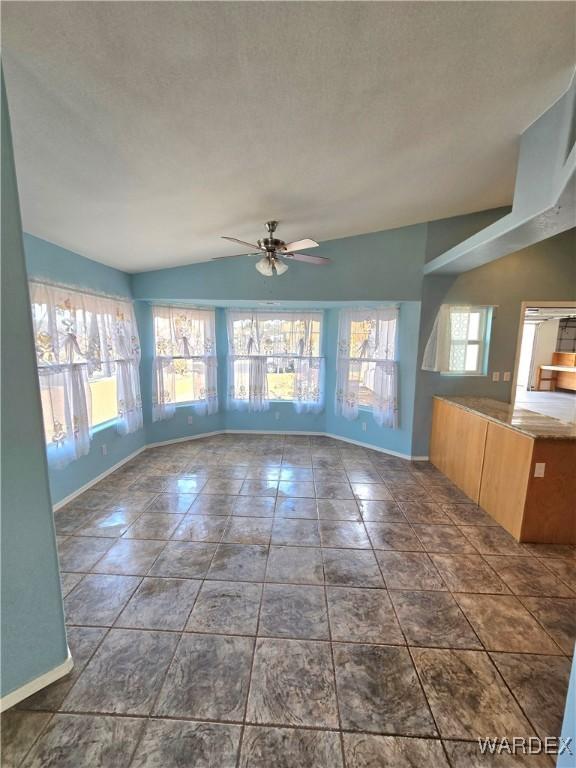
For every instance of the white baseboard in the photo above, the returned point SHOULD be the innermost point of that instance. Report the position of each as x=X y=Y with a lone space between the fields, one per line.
x=287 y=433
x=377 y=448
x=188 y=438
x=101 y=476
x=184 y=439
x=33 y=686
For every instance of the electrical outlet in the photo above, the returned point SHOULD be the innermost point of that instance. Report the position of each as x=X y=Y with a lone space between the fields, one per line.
x=277 y=415
x=507 y=376
x=495 y=375
x=190 y=419
x=539 y=469
x=104 y=449
x=363 y=426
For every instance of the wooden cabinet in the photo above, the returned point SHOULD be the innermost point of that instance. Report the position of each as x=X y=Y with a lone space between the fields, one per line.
x=505 y=473
x=457 y=446
x=495 y=466
x=550 y=512
x=565 y=379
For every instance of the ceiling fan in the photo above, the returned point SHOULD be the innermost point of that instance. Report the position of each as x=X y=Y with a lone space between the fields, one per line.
x=275 y=250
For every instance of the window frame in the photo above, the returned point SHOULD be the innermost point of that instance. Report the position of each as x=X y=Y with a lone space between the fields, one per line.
x=482 y=342
x=190 y=403
x=277 y=314
x=345 y=361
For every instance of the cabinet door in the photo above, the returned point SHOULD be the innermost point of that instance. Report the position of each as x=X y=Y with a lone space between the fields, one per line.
x=457 y=446
x=507 y=461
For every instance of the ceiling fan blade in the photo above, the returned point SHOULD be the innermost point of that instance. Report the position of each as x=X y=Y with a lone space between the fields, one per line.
x=297 y=244
x=320 y=260
x=251 y=246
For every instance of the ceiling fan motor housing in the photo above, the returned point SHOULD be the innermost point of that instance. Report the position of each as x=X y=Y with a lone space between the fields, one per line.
x=271 y=244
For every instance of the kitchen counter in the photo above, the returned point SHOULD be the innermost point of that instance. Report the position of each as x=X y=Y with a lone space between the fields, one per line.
x=516 y=464
x=529 y=423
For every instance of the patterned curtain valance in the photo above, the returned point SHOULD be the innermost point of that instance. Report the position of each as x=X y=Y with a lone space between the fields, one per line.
x=72 y=327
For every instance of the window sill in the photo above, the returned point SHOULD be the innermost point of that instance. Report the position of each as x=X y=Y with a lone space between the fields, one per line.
x=467 y=375
x=189 y=404
x=104 y=425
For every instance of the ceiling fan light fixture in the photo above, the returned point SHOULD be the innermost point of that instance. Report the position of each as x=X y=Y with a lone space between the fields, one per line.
x=280 y=267
x=264 y=267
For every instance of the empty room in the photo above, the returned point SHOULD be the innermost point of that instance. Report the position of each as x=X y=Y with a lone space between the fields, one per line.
x=288 y=410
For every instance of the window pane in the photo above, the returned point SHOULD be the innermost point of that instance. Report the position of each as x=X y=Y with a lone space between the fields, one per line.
x=283 y=335
x=474 y=326
x=189 y=380
x=457 y=356
x=162 y=334
x=472 y=352
x=281 y=378
x=104 y=399
x=361 y=337
x=459 y=325
x=363 y=374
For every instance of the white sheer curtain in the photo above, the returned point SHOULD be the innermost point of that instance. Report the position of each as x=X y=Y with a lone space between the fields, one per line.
x=457 y=343
x=80 y=337
x=367 y=365
x=437 y=351
x=308 y=384
x=185 y=363
x=275 y=356
x=247 y=368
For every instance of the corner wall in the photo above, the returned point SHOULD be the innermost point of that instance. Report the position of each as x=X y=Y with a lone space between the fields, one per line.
x=33 y=634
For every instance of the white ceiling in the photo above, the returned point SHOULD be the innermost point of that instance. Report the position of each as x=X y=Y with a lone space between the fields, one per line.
x=144 y=131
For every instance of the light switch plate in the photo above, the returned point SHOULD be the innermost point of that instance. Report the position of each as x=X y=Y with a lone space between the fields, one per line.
x=539 y=469
x=507 y=376
x=495 y=375
x=190 y=419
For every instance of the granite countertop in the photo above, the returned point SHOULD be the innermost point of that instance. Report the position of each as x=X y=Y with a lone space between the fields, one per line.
x=527 y=422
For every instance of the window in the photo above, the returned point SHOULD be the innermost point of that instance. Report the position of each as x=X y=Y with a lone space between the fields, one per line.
x=88 y=353
x=275 y=356
x=185 y=364
x=367 y=364
x=458 y=344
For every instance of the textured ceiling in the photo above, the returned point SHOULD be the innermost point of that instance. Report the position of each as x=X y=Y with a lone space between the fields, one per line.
x=145 y=130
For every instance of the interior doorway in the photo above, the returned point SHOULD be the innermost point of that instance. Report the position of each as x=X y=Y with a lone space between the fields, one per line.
x=545 y=375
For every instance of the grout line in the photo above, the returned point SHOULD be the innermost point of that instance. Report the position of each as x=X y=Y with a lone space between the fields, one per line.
x=287 y=451
x=254 y=647
x=336 y=696
x=41 y=731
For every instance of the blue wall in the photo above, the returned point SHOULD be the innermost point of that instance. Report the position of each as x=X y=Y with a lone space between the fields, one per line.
x=382 y=266
x=374 y=268
x=50 y=262
x=33 y=635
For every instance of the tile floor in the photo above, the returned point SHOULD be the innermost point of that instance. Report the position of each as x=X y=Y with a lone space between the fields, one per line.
x=295 y=602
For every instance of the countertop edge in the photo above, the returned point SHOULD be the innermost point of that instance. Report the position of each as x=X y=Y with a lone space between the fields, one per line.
x=521 y=430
